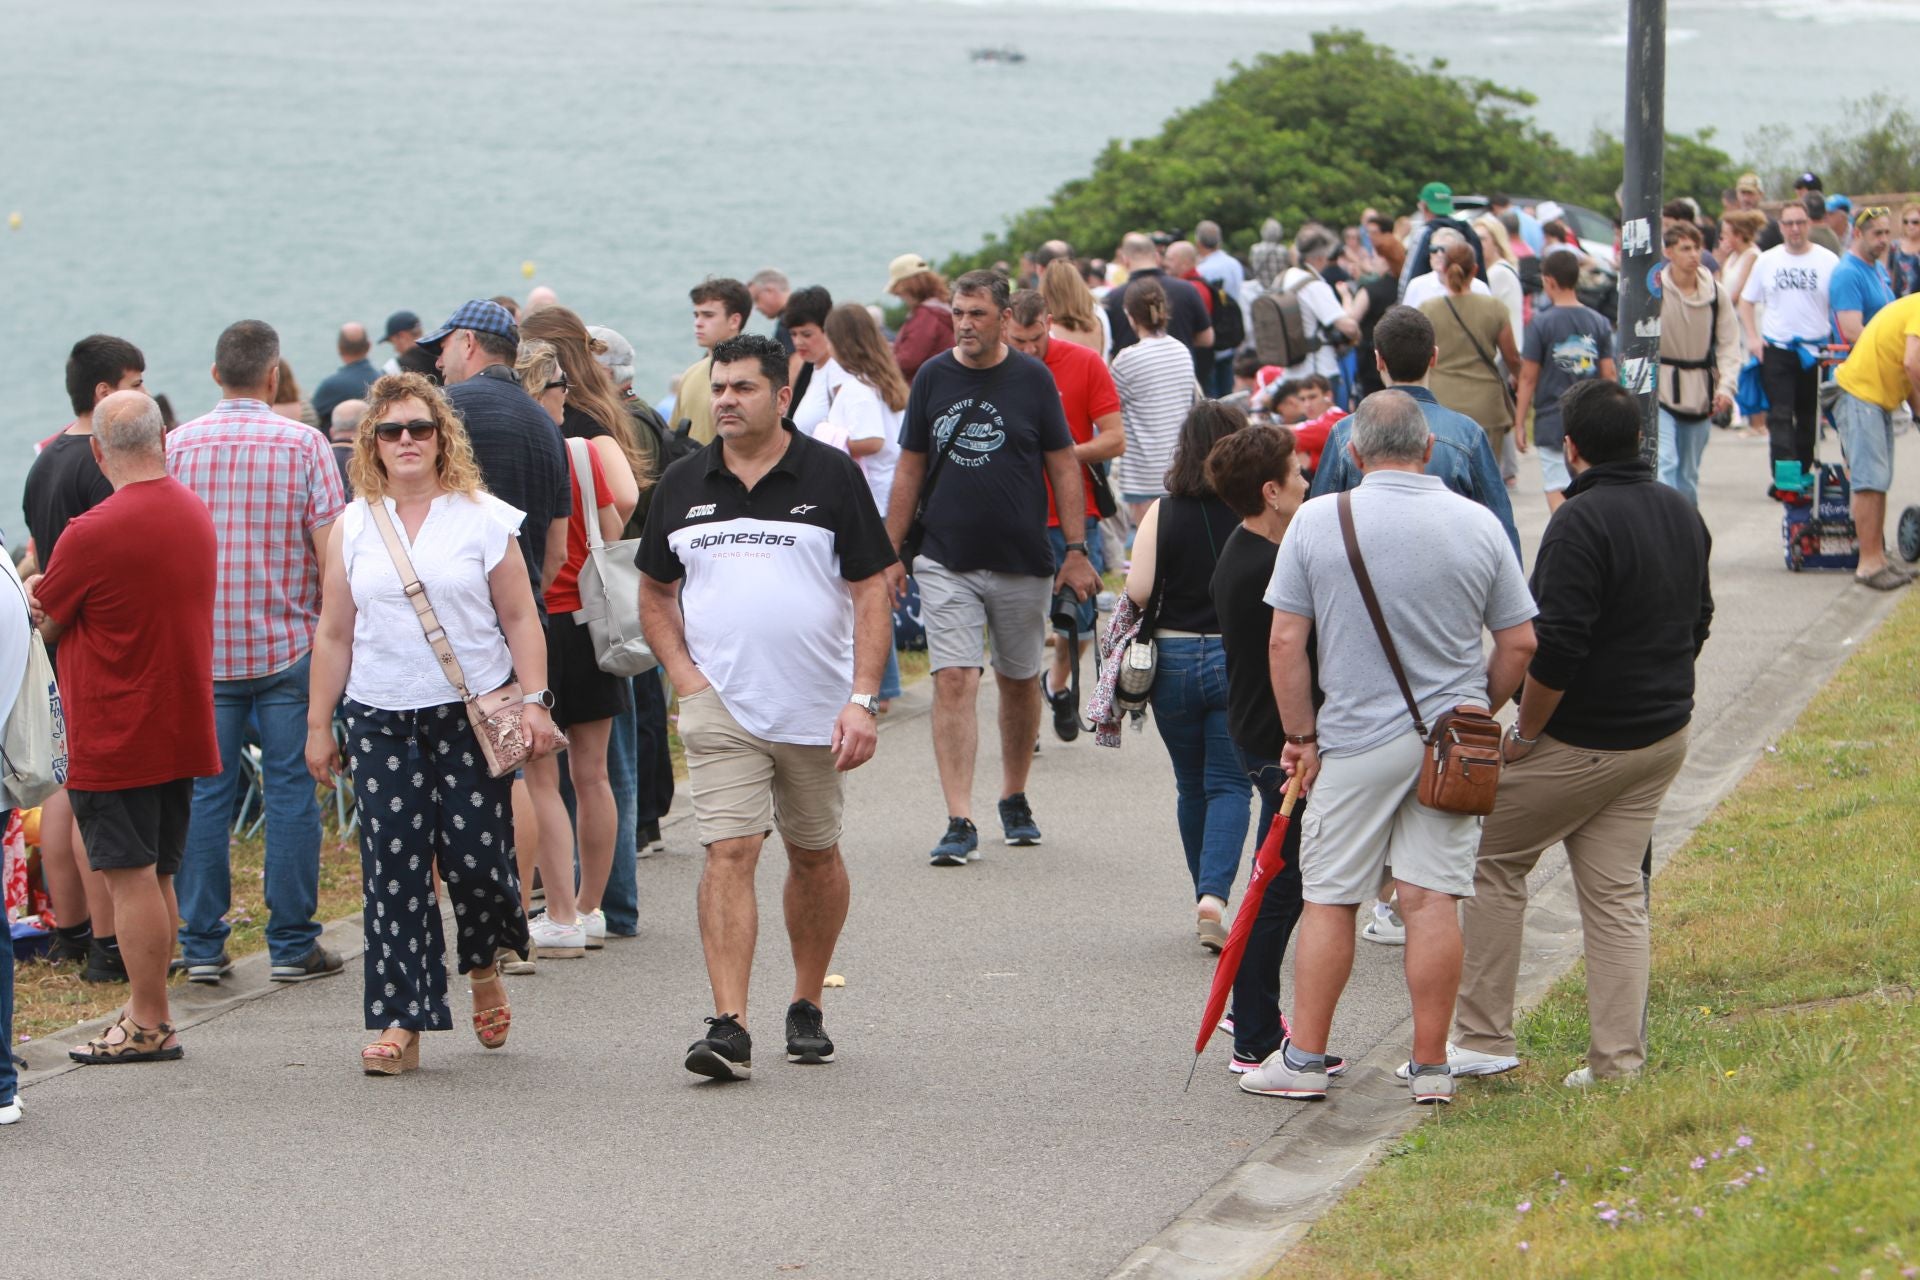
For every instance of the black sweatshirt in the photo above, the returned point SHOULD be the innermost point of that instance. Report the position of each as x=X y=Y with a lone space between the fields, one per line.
x=1625 y=605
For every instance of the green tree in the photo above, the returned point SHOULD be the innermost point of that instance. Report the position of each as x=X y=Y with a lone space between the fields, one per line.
x=1324 y=134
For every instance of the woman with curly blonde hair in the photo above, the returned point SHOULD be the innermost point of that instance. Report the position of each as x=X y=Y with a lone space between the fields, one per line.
x=420 y=780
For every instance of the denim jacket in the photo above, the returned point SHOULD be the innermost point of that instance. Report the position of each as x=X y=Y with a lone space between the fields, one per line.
x=1462 y=459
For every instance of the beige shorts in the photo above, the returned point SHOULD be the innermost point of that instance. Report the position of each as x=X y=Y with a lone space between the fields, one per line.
x=743 y=785
x=1364 y=813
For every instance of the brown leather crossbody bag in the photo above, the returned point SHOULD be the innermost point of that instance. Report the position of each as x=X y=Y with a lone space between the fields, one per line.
x=1460 y=768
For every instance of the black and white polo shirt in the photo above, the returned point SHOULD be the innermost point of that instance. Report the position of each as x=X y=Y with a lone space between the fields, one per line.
x=768 y=612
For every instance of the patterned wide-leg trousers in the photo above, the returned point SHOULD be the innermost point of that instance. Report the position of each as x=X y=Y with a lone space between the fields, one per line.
x=424 y=796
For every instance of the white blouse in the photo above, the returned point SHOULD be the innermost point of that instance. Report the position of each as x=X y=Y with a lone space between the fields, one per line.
x=460 y=543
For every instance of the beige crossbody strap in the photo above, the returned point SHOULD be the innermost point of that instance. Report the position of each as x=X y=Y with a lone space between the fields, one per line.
x=589 y=497
x=417 y=596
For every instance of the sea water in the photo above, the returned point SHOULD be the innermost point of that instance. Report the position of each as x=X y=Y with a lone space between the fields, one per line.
x=180 y=164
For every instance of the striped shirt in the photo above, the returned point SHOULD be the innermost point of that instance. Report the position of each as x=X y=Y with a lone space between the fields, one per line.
x=1155 y=379
x=270 y=484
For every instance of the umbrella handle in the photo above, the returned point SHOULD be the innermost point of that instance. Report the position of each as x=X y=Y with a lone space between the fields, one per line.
x=1291 y=797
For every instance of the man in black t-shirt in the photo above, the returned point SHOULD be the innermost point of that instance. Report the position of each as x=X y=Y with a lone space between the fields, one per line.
x=518 y=448
x=765 y=597
x=985 y=431
x=1187 y=317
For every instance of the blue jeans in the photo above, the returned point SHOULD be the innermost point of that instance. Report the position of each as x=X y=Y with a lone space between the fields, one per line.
x=9 y=1074
x=1190 y=707
x=890 y=678
x=621 y=901
x=278 y=705
x=1222 y=375
x=1256 y=988
x=1682 y=441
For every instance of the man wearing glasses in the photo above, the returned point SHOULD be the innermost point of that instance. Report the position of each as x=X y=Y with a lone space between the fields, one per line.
x=1860 y=284
x=514 y=441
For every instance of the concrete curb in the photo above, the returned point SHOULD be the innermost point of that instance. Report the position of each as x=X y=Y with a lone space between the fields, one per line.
x=1249 y=1220
x=192 y=1005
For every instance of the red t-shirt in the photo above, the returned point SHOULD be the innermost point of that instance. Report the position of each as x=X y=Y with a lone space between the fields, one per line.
x=134 y=590
x=563 y=593
x=1086 y=392
x=1204 y=285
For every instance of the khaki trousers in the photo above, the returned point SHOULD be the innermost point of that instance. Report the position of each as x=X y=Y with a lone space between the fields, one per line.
x=1602 y=804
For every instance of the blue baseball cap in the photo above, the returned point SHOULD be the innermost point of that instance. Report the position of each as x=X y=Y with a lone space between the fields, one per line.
x=1839 y=202
x=482 y=316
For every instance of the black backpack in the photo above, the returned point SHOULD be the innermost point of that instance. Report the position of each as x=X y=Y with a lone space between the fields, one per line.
x=669 y=446
x=1229 y=326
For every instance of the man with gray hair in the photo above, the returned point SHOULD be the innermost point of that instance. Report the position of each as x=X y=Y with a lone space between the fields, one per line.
x=769 y=288
x=342 y=424
x=131 y=600
x=274 y=490
x=1443 y=574
x=1221 y=269
x=1431 y=283
x=1322 y=314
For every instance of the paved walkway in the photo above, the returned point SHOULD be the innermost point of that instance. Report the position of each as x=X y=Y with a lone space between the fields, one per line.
x=1013 y=1037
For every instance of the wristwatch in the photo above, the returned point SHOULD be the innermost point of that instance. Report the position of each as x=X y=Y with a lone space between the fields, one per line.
x=867 y=702
x=1081 y=547
x=1513 y=731
x=543 y=697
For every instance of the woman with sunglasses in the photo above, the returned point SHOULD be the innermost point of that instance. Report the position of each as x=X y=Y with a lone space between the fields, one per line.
x=1903 y=263
x=420 y=781
x=557 y=360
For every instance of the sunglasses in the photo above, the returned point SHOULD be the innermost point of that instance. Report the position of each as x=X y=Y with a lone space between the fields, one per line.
x=560 y=384
x=1871 y=212
x=418 y=429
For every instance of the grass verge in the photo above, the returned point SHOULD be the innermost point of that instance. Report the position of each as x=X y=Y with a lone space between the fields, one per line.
x=52 y=997
x=1772 y=1132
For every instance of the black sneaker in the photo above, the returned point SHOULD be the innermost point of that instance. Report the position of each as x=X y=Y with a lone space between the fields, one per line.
x=317 y=963
x=1016 y=820
x=67 y=947
x=1066 y=713
x=959 y=846
x=725 y=1054
x=807 y=1040
x=103 y=963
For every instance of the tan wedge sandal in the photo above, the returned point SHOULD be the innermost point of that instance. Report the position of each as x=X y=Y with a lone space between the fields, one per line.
x=491 y=1025
x=385 y=1058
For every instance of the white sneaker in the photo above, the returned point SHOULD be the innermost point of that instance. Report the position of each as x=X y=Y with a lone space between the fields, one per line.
x=557 y=941
x=595 y=923
x=1385 y=927
x=10 y=1114
x=1470 y=1062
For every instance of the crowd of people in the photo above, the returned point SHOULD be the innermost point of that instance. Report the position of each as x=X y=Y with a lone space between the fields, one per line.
x=1302 y=462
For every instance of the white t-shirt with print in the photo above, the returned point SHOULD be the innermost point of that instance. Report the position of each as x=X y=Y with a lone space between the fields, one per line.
x=1794 y=288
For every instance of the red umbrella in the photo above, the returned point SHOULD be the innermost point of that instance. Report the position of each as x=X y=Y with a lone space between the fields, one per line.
x=1267 y=863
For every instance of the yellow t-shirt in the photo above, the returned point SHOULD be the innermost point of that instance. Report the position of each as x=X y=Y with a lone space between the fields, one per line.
x=695 y=401
x=1877 y=369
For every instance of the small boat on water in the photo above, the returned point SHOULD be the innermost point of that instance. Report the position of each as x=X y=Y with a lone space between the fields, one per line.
x=1005 y=53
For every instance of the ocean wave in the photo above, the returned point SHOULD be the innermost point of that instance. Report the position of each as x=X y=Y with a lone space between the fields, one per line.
x=1697 y=12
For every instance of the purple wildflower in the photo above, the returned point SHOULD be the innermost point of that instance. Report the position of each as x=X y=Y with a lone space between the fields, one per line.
x=1698 y=1162
x=1743 y=1141
x=1523 y=1206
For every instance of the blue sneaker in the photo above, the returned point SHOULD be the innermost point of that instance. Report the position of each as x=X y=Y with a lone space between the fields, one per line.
x=1016 y=820
x=959 y=846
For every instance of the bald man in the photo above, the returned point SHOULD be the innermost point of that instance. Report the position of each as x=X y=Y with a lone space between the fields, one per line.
x=1187 y=318
x=355 y=374
x=539 y=296
x=341 y=426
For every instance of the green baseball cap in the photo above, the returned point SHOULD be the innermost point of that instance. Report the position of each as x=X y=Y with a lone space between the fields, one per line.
x=1438 y=197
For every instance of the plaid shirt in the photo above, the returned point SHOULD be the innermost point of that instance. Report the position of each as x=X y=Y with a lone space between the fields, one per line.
x=270 y=482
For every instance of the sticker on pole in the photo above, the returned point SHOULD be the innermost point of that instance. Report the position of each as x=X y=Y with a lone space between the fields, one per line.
x=1653 y=280
x=1636 y=238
